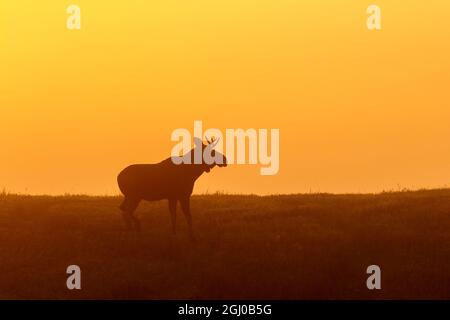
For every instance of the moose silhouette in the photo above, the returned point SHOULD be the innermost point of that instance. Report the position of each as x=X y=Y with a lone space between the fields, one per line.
x=165 y=180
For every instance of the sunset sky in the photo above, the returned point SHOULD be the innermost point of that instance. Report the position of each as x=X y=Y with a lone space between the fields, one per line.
x=358 y=110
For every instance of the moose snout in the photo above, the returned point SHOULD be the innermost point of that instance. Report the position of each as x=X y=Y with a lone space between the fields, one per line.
x=224 y=162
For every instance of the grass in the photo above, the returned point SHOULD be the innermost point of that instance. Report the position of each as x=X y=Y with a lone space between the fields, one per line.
x=314 y=246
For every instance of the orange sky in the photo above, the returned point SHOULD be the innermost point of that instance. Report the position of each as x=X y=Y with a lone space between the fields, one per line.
x=358 y=110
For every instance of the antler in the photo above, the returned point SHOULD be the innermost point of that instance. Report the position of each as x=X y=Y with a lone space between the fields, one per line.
x=213 y=142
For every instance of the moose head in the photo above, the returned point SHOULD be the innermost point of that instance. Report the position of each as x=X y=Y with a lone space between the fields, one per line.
x=211 y=157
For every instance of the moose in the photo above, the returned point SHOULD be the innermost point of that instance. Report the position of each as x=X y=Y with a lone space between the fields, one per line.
x=165 y=180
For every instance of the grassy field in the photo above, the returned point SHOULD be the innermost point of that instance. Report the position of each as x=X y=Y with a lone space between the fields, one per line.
x=314 y=246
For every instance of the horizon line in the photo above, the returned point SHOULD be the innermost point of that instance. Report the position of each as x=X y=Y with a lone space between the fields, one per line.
x=5 y=193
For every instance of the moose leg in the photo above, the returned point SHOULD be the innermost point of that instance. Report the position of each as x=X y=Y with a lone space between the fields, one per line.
x=185 y=205
x=128 y=207
x=173 y=213
x=137 y=222
x=125 y=213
